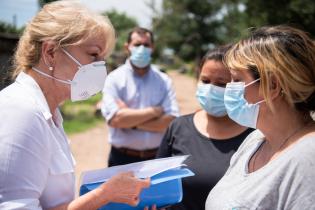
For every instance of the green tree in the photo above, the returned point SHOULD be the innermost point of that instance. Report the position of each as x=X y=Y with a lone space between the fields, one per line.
x=234 y=22
x=41 y=3
x=190 y=27
x=300 y=13
x=9 y=28
x=187 y=26
x=122 y=24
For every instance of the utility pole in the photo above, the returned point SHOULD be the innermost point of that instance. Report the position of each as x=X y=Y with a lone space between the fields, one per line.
x=14 y=21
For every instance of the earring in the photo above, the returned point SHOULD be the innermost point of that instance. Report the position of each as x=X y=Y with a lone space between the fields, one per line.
x=51 y=68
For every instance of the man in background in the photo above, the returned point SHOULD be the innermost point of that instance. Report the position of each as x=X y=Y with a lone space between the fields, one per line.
x=138 y=103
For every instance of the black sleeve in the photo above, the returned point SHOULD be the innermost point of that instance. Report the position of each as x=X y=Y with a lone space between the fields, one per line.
x=165 y=149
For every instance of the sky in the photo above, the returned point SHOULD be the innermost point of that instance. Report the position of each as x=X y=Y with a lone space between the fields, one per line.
x=21 y=11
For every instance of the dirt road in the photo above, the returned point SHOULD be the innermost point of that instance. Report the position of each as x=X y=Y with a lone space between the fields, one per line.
x=91 y=149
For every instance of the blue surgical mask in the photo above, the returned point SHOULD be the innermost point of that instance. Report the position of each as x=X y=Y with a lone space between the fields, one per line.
x=211 y=99
x=237 y=107
x=140 y=56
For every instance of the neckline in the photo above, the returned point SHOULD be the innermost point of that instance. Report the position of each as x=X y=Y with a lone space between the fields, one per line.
x=281 y=156
x=134 y=73
x=205 y=138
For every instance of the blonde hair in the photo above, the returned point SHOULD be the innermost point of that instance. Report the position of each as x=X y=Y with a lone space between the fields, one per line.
x=284 y=52
x=65 y=23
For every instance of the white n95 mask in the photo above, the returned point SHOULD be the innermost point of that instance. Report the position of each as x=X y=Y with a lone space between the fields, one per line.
x=87 y=81
x=237 y=107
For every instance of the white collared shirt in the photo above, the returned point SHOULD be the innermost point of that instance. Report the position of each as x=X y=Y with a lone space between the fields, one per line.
x=36 y=165
x=152 y=89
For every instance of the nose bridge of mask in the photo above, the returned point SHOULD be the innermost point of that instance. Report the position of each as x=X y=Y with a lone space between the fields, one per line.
x=72 y=58
x=134 y=48
x=140 y=48
x=211 y=99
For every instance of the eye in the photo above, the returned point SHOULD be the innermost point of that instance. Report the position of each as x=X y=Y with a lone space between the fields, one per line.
x=205 y=81
x=237 y=79
x=137 y=44
x=146 y=45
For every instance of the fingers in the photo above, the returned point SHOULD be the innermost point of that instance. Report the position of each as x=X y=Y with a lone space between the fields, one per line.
x=146 y=183
x=121 y=104
x=126 y=188
x=135 y=201
x=130 y=200
x=129 y=173
x=152 y=208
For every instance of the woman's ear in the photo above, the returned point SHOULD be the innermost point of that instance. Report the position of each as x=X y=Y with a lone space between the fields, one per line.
x=48 y=53
x=275 y=89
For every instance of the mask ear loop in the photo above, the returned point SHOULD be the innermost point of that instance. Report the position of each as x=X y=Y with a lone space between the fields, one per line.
x=252 y=82
x=70 y=56
x=47 y=75
x=259 y=102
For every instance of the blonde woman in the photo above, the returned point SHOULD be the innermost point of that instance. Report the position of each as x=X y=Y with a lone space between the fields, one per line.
x=60 y=56
x=272 y=89
x=208 y=135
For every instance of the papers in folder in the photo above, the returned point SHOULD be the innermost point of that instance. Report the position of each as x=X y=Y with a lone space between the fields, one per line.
x=143 y=169
x=165 y=174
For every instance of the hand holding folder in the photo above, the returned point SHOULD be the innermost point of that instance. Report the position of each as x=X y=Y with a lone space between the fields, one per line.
x=125 y=188
x=165 y=174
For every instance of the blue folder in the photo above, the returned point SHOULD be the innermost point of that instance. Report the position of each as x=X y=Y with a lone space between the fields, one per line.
x=165 y=190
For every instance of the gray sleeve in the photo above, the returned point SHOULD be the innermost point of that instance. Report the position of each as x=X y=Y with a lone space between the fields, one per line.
x=301 y=186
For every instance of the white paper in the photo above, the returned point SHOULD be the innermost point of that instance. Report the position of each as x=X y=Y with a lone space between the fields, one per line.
x=143 y=169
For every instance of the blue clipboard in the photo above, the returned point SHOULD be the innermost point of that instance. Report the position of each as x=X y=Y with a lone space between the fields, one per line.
x=165 y=190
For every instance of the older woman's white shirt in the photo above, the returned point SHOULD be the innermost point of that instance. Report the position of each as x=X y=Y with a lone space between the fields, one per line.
x=36 y=165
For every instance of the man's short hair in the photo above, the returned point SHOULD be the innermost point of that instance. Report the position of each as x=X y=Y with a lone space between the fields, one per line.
x=141 y=31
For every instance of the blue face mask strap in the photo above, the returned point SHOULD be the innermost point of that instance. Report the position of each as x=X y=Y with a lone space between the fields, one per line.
x=259 y=102
x=70 y=56
x=252 y=82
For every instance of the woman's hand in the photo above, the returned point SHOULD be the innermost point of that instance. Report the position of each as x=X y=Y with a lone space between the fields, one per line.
x=152 y=208
x=124 y=188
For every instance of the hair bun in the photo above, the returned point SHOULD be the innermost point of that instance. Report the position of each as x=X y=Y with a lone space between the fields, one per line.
x=308 y=104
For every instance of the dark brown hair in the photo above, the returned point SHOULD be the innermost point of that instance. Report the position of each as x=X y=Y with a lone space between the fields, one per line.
x=141 y=31
x=216 y=54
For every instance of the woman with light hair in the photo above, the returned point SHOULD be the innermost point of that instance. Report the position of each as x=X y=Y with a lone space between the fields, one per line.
x=60 y=56
x=273 y=90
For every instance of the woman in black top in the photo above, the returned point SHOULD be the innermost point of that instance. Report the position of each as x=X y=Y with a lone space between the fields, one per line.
x=209 y=136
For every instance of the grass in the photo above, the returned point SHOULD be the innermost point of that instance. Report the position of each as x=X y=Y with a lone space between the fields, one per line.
x=81 y=116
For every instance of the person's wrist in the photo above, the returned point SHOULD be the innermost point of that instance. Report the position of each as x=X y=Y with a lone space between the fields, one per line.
x=102 y=196
x=158 y=111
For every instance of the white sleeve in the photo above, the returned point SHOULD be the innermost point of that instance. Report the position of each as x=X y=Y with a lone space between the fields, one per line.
x=169 y=103
x=110 y=95
x=27 y=204
x=24 y=160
